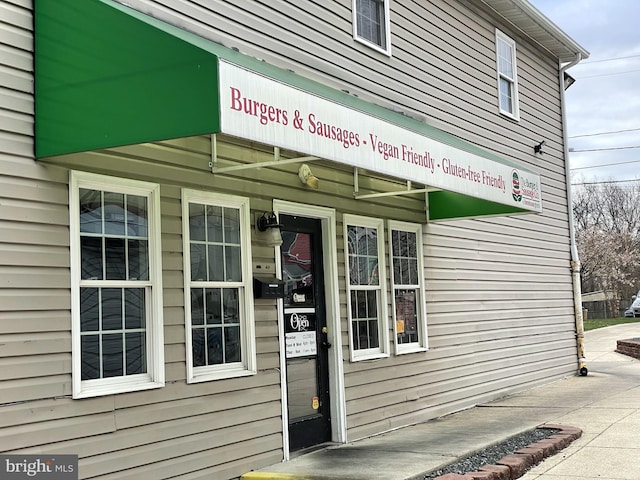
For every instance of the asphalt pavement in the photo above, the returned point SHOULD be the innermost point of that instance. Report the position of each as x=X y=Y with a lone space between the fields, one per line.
x=605 y=405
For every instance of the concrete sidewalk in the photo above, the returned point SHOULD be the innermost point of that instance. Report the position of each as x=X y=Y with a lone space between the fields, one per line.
x=605 y=405
x=607 y=411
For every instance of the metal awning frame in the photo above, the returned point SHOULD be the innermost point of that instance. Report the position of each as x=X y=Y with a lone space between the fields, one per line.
x=278 y=160
x=409 y=190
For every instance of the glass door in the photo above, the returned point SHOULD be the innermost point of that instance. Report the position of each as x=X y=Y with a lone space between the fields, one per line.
x=305 y=332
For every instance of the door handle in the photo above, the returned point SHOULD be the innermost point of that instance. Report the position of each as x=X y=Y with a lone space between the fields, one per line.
x=325 y=344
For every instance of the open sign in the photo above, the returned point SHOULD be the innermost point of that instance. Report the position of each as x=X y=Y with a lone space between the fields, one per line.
x=300 y=334
x=300 y=322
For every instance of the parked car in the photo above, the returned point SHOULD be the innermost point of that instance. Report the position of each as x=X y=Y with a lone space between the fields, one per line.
x=634 y=308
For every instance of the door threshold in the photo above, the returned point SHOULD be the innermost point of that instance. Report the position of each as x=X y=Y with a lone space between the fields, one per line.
x=311 y=449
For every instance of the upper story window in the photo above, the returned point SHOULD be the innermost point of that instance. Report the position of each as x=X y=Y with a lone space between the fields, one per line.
x=371 y=24
x=217 y=269
x=507 y=75
x=366 y=287
x=116 y=287
x=407 y=281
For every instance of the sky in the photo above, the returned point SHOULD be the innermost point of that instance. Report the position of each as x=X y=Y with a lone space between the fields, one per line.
x=606 y=95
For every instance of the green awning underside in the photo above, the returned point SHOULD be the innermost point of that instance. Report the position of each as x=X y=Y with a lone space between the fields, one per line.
x=107 y=76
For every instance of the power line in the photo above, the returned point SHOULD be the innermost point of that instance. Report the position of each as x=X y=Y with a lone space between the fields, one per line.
x=605 y=133
x=606 y=74
x=609 y=59
x=606 y=181
x=605 y=165
x=603 y=149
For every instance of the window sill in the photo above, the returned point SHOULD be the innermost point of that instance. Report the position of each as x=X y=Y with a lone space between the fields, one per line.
x=411 y=349
x=368 y=356
x=95 y=388
x=510 y=116
x=219 y=375
x=374 y=46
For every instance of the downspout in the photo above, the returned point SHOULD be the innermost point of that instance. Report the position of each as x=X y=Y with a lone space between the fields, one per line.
x=575 y=260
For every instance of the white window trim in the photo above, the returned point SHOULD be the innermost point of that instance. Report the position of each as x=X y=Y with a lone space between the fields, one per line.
x=387 y=29
x=501 y=37
x=423 y=344
x=154 y=378
x=248 y=364
x=383 y=328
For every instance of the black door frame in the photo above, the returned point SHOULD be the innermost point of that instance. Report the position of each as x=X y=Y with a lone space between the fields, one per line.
x=312 y=428
x=328 y=219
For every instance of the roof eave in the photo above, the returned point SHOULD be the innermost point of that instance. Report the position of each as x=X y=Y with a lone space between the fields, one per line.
x=534 y=24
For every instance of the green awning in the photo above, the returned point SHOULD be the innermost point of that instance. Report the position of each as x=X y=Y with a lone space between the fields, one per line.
x=108 y=76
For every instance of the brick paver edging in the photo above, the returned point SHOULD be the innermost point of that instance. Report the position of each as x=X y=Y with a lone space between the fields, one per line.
x=515 y=465
x=629 y=347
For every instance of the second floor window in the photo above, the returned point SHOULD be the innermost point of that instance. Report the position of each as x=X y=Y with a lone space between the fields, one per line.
x=371 y=23
x=507 y=75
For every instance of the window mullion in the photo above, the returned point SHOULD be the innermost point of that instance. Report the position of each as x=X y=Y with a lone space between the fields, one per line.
x=125 y=239
x=123 y=332
x=100 y=350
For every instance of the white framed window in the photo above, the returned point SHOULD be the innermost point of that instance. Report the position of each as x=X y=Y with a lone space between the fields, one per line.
x=366 y=287
x=507 y=75
x=407 y=281
x=371 y=24
x=116 y=285
x=220 y=333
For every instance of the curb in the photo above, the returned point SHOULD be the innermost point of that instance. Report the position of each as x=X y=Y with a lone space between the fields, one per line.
x=515 y=465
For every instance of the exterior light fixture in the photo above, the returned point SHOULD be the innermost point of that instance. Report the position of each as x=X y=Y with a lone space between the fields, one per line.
x=268 y=223
x=538 y=148
x=568 y=80
x=306 y=177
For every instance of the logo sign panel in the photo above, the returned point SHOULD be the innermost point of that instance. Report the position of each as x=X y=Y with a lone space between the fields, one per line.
x=300 y=334
x=262 y=109
x=49 y=467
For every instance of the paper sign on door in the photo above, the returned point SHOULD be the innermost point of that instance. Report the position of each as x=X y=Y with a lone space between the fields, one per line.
x=300 y=334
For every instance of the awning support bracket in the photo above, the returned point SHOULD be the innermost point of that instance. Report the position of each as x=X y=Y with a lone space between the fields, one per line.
x=214 y=152
x=408 y=191
x=277 y=160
